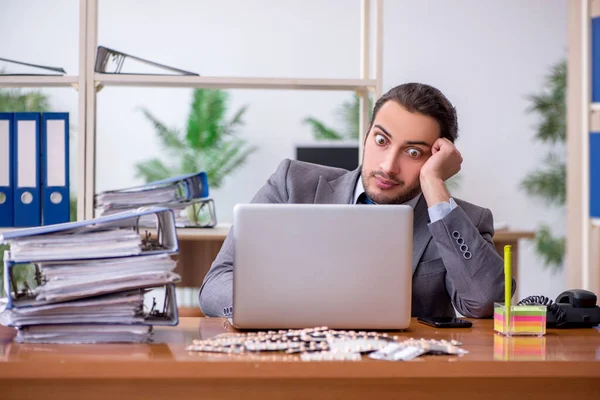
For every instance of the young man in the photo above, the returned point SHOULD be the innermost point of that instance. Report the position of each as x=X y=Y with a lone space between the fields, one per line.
x=408 y=154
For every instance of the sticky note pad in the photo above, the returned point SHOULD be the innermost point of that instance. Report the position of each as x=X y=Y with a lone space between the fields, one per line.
x=523 y=320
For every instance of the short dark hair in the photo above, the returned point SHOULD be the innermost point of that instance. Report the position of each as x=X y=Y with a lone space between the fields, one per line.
x=426 y=100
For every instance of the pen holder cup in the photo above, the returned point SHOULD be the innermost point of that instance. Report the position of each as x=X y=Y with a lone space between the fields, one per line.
x=526 y=320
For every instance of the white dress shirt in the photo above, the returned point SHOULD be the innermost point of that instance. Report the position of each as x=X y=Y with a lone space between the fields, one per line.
x=436 y=212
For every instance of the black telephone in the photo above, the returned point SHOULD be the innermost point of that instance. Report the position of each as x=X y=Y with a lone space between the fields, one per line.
x=574 y=308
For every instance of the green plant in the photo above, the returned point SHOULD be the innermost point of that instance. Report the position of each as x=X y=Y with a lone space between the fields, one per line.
x=348 y=115
x=209 y=143
x=15 y=100
x=549 y=181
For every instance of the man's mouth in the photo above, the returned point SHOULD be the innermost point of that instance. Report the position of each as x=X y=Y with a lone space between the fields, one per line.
x=384 y=184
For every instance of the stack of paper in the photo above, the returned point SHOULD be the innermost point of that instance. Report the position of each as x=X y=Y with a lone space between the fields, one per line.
x=81 y=244
x=186 y=195
x=77 y=334
x=91 y=280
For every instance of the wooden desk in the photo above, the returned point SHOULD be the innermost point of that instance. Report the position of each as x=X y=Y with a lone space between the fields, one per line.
x=563 y=364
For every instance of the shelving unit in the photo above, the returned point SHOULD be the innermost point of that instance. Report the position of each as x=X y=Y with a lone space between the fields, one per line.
x=197 y=246
x=364 y=85
x=88 y=83
x=583 y=122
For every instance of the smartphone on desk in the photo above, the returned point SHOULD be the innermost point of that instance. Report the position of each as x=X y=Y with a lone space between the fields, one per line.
x=445 y=322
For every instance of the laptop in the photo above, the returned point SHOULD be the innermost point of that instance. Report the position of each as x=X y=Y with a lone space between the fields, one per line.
x=343 y=266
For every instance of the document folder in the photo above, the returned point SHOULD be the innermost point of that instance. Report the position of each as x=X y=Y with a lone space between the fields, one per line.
x=109 y=61
x=178 y=188
x=186 y=195
x=72 y=244
x=55 y=168
x=6 y=169
x=55 y=70
x=134 y=305
x=27 y=198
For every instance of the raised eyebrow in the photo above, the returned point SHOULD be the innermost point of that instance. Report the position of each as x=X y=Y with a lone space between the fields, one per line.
x=417 y=143
x=386 y=133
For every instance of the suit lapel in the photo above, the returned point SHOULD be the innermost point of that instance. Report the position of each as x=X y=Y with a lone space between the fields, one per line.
x=337 y=191
x=421 y=234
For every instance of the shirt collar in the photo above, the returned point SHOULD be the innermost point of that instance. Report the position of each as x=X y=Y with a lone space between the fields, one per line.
x=359 y=189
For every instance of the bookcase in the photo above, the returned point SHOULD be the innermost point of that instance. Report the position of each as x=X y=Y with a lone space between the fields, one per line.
x=88 y=83
x=583 y=146
x=198 y=246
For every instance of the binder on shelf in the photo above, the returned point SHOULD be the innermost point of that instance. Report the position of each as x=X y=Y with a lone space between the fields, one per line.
x=595 y=62
x=26 y=160
x=55 y=168
x=110 y=61
x=6 y=169
x=594 y=138
x=54 y=70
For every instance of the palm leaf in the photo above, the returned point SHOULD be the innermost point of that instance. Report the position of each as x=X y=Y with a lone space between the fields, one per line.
x=152 y=170
x=230 y=127
x=209 y=143
x=548 y=183
x=190 y=163
x=549 y=247
x=322 y=132
x=551 y=105
x=15 y=100
x=170 y=138
x=349 y=116
x=233 y=155
x=206 y=117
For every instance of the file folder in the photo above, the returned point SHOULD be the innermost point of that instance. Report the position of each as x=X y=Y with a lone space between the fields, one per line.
x=23 y=309
x=27 y=199
x=6 y=169
x=164 y=241
x=55 y=168
x=176 y=188
x=110 y=61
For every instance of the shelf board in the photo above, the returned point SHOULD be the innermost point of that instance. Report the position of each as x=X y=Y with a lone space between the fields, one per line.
x=215 y=82
x=595 y=107
x=38 y=81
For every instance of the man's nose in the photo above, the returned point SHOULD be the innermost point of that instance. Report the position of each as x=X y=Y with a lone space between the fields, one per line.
x=390 y=164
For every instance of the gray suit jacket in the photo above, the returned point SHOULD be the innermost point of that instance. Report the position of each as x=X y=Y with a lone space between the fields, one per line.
x=444 y=275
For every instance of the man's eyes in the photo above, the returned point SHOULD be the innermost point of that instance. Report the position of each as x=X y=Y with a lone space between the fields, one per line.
x=380 y=139
x=414 y=152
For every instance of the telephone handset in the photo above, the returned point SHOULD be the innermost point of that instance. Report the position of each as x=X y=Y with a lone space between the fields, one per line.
x=574 y=308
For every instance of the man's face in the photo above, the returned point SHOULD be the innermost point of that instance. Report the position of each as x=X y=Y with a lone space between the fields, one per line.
x=397 y=146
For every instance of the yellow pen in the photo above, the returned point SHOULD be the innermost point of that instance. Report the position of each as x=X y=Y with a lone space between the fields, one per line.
x=507 y=286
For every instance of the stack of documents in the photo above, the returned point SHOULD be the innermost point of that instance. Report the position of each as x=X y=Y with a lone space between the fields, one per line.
x=90 y=280
x=186 y=195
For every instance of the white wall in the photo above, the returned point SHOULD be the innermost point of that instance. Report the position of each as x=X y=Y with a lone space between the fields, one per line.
x=485 y=56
